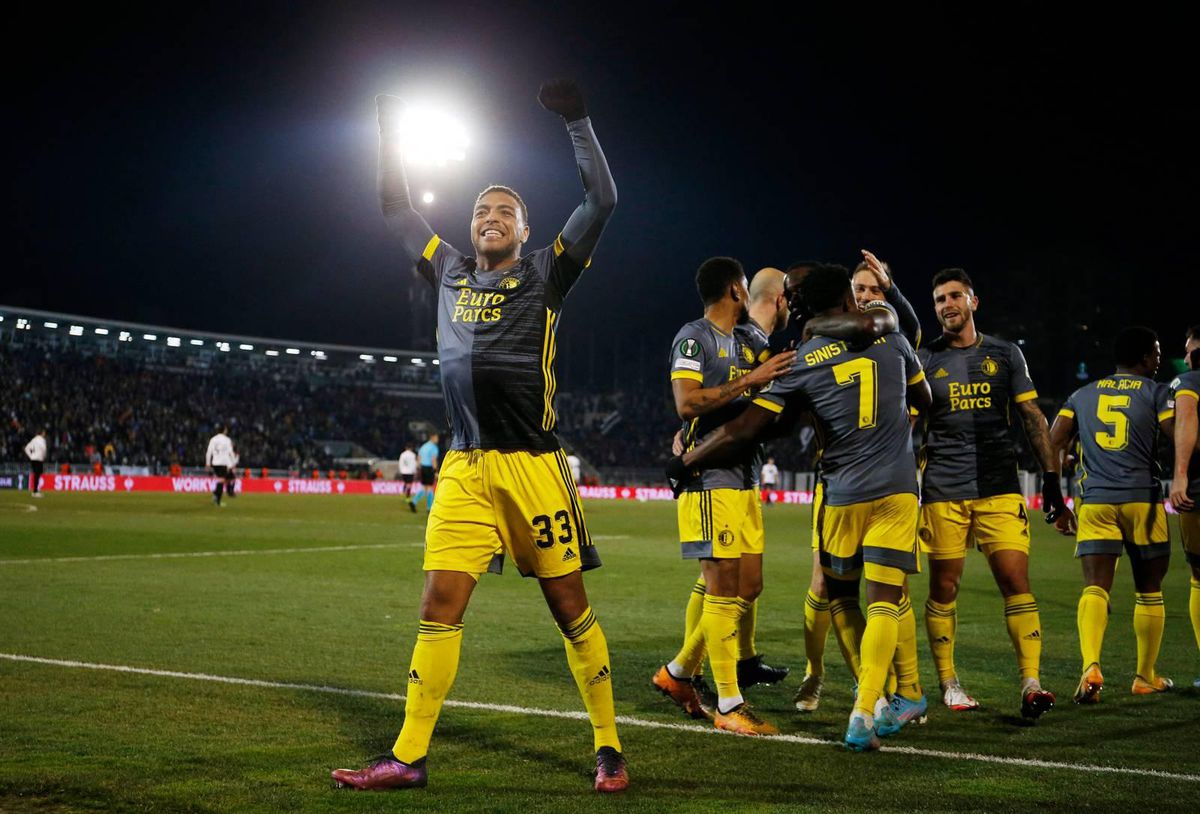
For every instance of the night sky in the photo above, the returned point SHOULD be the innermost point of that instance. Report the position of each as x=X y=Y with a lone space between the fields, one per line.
x=216 y=170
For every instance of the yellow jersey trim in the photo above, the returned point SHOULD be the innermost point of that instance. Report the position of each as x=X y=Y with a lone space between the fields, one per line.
x=1066 y=413
x=768 y=405
x=1191 y=393
x=917 y=379
x=1023 y=397
x=431 y=247
x=687 y=374
x=550 y=385
x=1166 y=415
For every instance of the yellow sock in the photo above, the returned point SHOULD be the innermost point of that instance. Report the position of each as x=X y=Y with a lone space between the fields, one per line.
x=1194 y=609
x=690 y=658
x=1149 y=617
x=695 y=607
x=720 y=624
x=1092 y=619
x=908 y=679
x=587 y=655
x=816 y=629
x=430 y=676
x=1025 y=630
x=941 y=624
x=746 y=627
x=878 y=648
x=848 y=626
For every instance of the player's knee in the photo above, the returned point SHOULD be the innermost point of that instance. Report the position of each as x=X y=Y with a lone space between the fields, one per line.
x=943 y=583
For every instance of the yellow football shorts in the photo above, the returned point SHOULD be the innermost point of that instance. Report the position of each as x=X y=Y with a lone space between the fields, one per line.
x=1189 y=532
x=818 y=499
x=490 y=503
x=720 y=524
x=1107 y=528
x=997 y=523
x=876 y=539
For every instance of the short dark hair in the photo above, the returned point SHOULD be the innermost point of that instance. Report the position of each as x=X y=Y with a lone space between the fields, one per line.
x=506 y=191
x=803 y=264
x=714 y=277
x=953 y=276
x=825 y=287
x=1133 y=344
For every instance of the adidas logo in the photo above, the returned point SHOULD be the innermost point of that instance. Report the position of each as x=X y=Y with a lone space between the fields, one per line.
x=570 y=555
x=601 y=676
x=941 y=373
x=413 y=678
x=1037 y=634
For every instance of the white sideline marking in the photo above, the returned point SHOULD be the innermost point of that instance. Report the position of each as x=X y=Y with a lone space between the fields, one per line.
x=610 y=536
x=28 y=507
x=182 y=554
x=622 y=719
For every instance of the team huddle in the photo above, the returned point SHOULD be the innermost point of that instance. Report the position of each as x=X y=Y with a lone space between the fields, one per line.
x=818 y=346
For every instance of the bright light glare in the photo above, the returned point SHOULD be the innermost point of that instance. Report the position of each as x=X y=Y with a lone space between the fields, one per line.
x=293 y=351
x=432 y=136
x=427 y=198
x=197 y=342
x=50 y=324
x=245 y=347
x=102 y=331
x=173 y=341
x=272 y=353
x=76 y=330
x=149 y=337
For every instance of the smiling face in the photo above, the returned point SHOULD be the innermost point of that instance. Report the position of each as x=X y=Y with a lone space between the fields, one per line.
x=498 y=226
x=954 y=303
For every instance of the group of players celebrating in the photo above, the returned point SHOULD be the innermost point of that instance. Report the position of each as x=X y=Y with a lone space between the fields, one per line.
x=816 y=345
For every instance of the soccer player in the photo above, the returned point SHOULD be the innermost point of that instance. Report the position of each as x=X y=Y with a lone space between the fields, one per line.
x=872 y=283
x=769 y=475
x=407 y=467
x=427 y=454
x=970 y=494
x=868 y=519
x=219 y=458
x=575 y=466
x=716 y=362
x=1185 y=483
x=35 y=451
x=504 y=483
x=1117 y=419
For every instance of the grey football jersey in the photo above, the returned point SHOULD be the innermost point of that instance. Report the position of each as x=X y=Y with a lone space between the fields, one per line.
x=859 y=400
x=703 y=353
x=1189 y=384
x=1117 y=419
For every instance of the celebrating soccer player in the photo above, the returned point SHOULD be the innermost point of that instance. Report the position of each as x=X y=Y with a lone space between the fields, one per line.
x=716 y=362
x=1185 y=484
x=970 y=494
x=1117 y=419
x=504 y=485
x=868 y=520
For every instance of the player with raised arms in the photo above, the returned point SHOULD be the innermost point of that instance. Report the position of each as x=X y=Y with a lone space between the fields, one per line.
x=505 y=485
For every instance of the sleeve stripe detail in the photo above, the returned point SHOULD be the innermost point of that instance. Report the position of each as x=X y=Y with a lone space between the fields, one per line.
x=1191 y=393
x=431 y=247
x=1030 y=396
x=920 y=377
x=559 y=248
x=1166 y=414
x=768 y=405
x=1066 y=413
x=687 y=374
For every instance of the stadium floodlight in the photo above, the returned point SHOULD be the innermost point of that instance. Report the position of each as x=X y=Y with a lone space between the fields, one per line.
x=437 y=361
x=390 y=359
x=149 y=337
x=197 y=342
x=23 y=324
x=418 y=361
x=125 y=336
x=293 y=351
x=75 y=330
x=431 y=136
x=223 y=347
x=366 y=357
x=427 y=197
x=173 y=341
x=244 y=346
x=1 y=317
x=272 y=353
x=49 y=324
x=102 y=331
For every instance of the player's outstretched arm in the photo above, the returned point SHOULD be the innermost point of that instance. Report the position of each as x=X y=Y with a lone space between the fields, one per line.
x=582 y=232
x=854 y=327
x=394 y=200
x=725 y=439
x=1186 y=432
x=910 y=326
x=692 y=400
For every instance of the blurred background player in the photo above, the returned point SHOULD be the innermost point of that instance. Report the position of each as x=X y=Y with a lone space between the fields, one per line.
x=219 y=458
x=35 y=450
x=769 y=478
x=868 y=520
x=1185 y=482
x=428 y=455
x=576 y=467
x=716 y=362
x=407 y=467
x=231 y=472
x=970 y=492
x=504 y=485
x=1117 y=420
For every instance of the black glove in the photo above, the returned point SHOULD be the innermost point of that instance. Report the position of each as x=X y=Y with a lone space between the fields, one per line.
x=1052 y=496
x=678 y=474
x=563 y=96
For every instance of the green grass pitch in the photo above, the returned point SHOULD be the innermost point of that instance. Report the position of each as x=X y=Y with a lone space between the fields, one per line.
x=75 y=739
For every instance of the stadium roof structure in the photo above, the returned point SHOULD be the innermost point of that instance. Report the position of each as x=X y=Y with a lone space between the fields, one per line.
x=112 y=333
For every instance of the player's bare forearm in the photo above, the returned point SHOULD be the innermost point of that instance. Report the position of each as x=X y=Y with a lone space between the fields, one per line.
x=919 y=396
x=730 y=437
x=853 y=327
x=394 y=198
x=1037 y=430
x=1060 y=438
x=693 y=401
